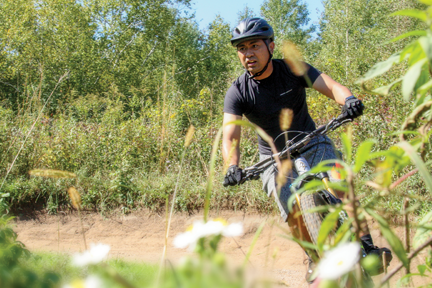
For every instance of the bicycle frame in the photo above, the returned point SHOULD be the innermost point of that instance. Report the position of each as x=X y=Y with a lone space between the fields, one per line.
x=253 y=172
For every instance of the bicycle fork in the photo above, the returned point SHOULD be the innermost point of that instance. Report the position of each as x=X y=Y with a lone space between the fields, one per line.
x=302 y=166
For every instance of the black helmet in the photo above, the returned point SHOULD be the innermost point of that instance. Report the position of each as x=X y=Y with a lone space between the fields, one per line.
x=252 y=28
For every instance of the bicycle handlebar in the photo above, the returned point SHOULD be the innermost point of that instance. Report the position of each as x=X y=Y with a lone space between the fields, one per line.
x=253 y=172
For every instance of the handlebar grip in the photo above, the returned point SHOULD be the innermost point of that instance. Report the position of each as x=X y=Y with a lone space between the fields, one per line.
x=225 y=182
x=343 y=116
x=240 y=181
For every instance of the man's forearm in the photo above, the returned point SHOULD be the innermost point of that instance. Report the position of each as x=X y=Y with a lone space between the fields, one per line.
x=231 y=155
x=340 y=93
x=330 y=88
x=231 y=136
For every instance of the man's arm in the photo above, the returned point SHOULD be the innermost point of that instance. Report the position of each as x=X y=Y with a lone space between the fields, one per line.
x=332 y=89
x=231 y=133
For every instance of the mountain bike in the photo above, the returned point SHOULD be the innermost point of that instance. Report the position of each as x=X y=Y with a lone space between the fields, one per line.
x=306 y=205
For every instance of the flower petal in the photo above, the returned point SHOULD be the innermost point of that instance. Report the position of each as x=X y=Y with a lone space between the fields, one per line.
x=94 y=255
x=233 y=230
x=339 y=261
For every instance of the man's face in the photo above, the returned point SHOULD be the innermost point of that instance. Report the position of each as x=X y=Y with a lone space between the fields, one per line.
x=253 y=54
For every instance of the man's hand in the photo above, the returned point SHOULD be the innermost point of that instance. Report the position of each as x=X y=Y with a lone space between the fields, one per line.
x=353 y=107
x=233 y=176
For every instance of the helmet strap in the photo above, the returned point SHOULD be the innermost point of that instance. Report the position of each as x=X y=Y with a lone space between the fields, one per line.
x=265 y=67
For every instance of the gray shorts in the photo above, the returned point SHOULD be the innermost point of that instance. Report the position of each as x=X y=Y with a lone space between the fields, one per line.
x=319 y=149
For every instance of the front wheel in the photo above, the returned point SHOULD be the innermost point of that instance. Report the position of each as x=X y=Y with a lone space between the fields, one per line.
x=312 y=220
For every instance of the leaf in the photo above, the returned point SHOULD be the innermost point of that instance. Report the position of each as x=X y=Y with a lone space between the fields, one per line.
x=381 y=67
x=363 y=153
x=255 y=239
x=344 y=232
x=423 y=78
x=415 y=158
x=408 y=34
x=410 y=78
x=416 y=53
x=327 y=225
x=424 y=232
x=304 y=244
x=411 y=120
x=425 y=87
x=421 y=269
x=347 y=144
x=426 y=44
x=411 y=13
x=383 y=172
x=390 y=236
x=49 y=173
x=385 y=90
x=427 y=2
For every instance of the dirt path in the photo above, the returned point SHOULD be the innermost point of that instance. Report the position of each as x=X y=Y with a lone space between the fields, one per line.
x=140 y=236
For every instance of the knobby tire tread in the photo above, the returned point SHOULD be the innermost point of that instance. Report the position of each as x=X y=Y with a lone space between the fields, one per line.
x=312 y=220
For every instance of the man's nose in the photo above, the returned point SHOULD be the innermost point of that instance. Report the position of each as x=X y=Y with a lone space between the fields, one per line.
x=249 y=52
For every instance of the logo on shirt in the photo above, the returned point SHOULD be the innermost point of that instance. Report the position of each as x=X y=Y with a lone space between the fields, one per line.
x=286 y=92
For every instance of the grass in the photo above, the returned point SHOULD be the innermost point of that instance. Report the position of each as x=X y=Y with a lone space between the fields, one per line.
x=137 y=273
x=122 y=163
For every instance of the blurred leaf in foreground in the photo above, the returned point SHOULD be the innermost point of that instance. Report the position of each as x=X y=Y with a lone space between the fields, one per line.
x=49 y=173
x=424 y=231
x=75 y=198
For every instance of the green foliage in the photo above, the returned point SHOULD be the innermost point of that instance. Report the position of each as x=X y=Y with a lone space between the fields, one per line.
x=289 y=19
x=128 y=45
x=399 y=158
x=424 y=230
x=141 y=72
x=13 y=271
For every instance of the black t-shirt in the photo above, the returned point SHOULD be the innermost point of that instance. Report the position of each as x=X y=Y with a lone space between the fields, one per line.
x=261 y=101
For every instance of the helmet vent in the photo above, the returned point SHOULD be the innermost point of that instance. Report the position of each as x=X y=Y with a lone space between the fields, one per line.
x=250 y=26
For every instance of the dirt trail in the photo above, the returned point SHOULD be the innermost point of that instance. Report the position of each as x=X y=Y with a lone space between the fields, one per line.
x=140 y=236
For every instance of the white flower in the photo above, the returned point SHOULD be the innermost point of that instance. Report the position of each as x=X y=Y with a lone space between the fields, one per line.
x=90 y=282
x=184 y=240
x=93 y=281
x=232 y=230
x=201 y=229
x=96 y=254
x=339 y=261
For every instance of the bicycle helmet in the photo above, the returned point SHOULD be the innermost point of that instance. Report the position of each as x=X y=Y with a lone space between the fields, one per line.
x=254 y=28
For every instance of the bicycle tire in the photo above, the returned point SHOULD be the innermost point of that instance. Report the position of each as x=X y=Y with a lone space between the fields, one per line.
x=312 y=220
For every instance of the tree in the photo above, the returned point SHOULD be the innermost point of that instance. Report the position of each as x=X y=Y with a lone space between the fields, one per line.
x=289 y=19
x=245 y=13
x=101 y=44
x=221 y=63
x=353 y=35
x=42 y=41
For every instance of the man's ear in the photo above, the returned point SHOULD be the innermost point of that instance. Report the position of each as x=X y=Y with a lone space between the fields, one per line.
x=272 y=46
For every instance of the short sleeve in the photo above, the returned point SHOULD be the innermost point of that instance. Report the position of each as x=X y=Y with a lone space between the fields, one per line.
x=233 y=102
x=311 y=75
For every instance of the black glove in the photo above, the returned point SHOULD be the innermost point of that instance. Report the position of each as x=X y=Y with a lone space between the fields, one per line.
x=233 y=176
x=353 y=107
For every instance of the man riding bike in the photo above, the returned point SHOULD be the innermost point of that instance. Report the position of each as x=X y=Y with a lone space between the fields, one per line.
x=268 y=86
